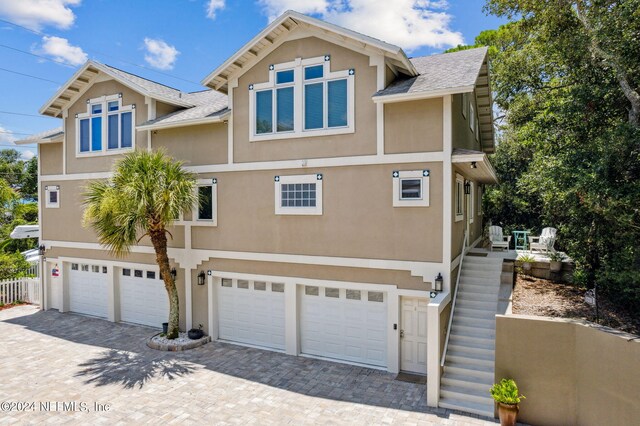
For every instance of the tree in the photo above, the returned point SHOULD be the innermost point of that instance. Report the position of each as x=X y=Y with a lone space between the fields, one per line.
x=147 y=192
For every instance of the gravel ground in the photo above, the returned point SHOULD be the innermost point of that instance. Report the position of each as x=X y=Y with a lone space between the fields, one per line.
x=535 y=296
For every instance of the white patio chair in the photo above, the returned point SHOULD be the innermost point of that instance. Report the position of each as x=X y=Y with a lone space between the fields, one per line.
x=497 y=239
x=543 y=243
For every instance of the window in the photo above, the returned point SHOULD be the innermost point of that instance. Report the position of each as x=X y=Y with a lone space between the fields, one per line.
x=107 y=126
x=411 y=188
x=300 y=194
x=459 y=198
x=52 y=196
x=302 y=98
x=206 y=210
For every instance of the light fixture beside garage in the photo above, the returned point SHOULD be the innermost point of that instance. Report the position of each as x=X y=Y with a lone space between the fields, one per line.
x=201 y=278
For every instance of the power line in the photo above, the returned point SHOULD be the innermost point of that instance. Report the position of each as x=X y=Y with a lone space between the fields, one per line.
x=29 y=75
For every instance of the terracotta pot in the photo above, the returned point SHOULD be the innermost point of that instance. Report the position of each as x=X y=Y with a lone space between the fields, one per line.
x=555 y=266
x=508 y=414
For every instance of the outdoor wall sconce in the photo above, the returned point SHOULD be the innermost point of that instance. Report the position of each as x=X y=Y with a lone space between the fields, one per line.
x=474 y=165
x=467 y=187
x=41 y=249
x=201 y=278
x=437 y=283
x=174 y=273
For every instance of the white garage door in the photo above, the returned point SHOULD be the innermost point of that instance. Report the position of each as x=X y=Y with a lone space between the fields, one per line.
x=88 y=289
x=143 y=298
x=345 y=324
x=251 y=312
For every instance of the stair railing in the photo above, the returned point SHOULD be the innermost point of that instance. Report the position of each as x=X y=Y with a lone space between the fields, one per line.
x=453 y=300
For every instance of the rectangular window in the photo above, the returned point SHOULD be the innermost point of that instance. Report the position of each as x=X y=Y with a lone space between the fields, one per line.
x=337 y=103
x=411 y=189
x=205 y=202
x=264 y=112
x=284 y=111
x=299 y=194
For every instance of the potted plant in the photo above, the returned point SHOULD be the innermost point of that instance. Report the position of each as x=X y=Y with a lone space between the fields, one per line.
x=506 y=395
x=525 y=261
x=196 y=333
x=555 y=261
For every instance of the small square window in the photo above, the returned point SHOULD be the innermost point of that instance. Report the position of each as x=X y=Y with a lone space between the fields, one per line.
x=311 y=290
x=227 y=282
x=354 y=295
x=375 y=296
x=151 y=275
x=410 y=189
x=137 y=273
x=126 y=272
x=332 y=292
x=85 y=268
x=243 y=284
x=260 y=285
x=74 y=266
x=277 y=287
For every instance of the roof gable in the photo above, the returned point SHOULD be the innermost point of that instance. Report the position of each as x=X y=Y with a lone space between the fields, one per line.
x=279 y=31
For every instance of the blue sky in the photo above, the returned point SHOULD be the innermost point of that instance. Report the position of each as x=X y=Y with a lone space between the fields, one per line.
x=178 y=42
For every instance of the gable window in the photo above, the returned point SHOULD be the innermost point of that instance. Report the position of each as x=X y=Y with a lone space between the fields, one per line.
x=107 y=126
x=301 y=194
x=52 y=194
x=302 y=98
x=459 y=201
x=206 y=209
x=411 y=188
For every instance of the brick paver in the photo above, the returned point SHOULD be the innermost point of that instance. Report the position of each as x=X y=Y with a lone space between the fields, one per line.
x=48 y=357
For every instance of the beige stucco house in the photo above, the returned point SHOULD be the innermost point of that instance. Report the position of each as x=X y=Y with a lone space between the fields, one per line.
x=332 y=170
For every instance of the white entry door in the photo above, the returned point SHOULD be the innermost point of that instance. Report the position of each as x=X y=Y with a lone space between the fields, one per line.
x=88 y=292
x=251 y=312
x=413 y=335
x=344 y=324
x=143 y=297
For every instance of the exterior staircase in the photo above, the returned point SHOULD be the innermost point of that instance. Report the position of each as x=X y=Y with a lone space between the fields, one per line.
x=469 y=362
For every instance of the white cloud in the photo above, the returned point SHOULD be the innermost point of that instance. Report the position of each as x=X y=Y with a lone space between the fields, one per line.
x=160 y=54
x=60 y=49
x=213 y=6
x=36 y=14
x=410 y=24
x=6 y=136
x=27 y=155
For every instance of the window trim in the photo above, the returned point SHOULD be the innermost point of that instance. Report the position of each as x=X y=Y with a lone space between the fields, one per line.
x=399 y=176
x=104 y=102
x=314 y=178
x=459 y=197
x=298 y=66
x=213 y=183
x=48 y=189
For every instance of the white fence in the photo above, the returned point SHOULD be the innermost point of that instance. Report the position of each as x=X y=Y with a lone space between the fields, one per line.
x=20 y=289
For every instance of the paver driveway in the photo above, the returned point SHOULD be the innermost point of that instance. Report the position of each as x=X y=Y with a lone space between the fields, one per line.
x=48 y=357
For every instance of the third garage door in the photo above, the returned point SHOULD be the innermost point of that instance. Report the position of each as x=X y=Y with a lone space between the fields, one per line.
x=344 y=324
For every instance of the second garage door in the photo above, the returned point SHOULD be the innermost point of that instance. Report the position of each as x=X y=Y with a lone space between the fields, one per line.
x=344 y=324
x=88 y=292
x=143 y=298
x=251 y=312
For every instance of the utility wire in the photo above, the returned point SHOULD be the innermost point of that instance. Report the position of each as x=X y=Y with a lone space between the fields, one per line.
x=29 y=75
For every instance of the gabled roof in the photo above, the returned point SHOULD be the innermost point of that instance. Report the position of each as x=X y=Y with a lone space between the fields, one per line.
x=48 y=136
x=84 y=77
x=210 y=107
x=277 y=31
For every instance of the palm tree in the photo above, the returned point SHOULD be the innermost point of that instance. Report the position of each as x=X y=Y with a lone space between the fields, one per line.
x=147 y=192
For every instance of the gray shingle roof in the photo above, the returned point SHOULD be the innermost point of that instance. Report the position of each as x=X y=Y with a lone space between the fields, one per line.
x=440 y=72
x=50 y=134
x=208 y=104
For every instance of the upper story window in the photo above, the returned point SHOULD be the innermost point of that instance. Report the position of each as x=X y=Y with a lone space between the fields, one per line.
x=107 y=126
x=411 y=188
x=300 y=194
x=302 y=98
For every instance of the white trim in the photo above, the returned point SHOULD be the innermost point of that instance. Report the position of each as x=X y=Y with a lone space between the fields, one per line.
x=423 y=201
x=316 y=179
x=362 y=160
x=49 y=189
x=459 y=197
x=414 y=96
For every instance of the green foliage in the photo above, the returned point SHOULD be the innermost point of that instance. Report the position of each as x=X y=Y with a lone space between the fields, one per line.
x=506 y=392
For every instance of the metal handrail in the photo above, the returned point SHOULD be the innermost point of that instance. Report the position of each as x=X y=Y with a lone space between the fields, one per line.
x=453 y=301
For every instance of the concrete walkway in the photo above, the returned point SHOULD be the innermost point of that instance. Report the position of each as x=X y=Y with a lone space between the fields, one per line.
x=65 y=368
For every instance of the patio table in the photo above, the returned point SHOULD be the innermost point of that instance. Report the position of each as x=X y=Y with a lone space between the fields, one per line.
x=520 y=239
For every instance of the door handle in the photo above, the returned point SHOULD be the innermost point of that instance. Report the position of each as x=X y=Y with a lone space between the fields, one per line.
x=401 y=334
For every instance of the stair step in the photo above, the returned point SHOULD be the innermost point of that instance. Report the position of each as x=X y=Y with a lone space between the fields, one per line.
x=469 y=370
x=472 y=341
x=474 y=313
x=466 y=406
x=484 y=324
x=465 y=394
